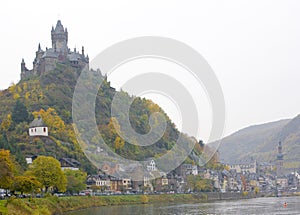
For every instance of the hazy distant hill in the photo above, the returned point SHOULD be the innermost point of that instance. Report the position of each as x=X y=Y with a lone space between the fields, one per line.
x=260 y=142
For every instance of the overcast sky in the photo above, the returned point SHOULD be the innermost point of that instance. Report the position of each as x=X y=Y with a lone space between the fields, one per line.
x=252 y=46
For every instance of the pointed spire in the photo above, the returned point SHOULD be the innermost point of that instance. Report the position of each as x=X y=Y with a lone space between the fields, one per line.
x=59 y=27
x=52 y=28
x=23 y=60
x=39 y=47
x=82 y=51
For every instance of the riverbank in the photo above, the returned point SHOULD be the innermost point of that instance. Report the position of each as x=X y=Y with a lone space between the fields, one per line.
x=54 y=205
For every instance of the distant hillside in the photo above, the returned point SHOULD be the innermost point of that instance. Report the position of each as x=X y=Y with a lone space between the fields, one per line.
x=260 y=142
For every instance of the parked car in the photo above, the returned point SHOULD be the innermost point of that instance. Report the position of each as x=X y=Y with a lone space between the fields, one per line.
x=2 y=195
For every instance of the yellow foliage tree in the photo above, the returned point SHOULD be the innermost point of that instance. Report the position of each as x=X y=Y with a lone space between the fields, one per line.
x=114 y=126
x=7 y=168
x=19 y=89
x=16 y=96
x=12 y=88
x=119 y=143
x=56 y=125
x=48 y=172
x=6 y=122
x=27 y=94
x=25 y=86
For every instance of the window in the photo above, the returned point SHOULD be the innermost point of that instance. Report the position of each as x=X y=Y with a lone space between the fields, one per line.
x=44 y=130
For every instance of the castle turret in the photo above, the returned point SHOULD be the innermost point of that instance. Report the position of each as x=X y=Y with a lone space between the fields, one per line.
x=59 y=37
x=24 y=70
x=36 y=63
x=23 y=66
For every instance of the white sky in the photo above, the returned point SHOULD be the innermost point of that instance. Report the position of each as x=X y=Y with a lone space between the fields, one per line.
x=253 y=46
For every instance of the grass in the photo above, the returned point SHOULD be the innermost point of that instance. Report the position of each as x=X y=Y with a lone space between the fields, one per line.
x=3 y=209
x=55 y=205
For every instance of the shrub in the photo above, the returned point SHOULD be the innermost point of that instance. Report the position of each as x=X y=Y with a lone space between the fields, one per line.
x=144 y=199
x=245 y=193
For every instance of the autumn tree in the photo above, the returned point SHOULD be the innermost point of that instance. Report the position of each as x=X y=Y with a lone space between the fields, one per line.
x=119 y=143
x=196 y=183
x=48 y=172
x=7 y=168
x=75 y=180
x=26 y=184
x=6 y=122
x=53 y=121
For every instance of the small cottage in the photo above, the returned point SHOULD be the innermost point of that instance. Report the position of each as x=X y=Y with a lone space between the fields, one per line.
x=38 y=128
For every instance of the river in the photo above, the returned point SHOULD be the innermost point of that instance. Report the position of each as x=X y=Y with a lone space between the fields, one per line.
x=245 y=206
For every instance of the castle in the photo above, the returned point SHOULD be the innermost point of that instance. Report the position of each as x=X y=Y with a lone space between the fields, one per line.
x=59 y=53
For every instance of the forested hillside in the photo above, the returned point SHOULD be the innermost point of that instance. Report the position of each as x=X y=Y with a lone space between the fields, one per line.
x=50 y=95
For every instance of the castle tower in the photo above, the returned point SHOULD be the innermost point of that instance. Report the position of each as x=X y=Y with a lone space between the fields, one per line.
x=24 y=70
x=59 y=37
x=279 y=160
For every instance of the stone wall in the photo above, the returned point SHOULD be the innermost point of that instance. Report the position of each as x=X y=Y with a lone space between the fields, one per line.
x=227 y=196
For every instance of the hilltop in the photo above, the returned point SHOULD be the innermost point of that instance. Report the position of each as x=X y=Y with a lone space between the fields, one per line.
x=47 y=90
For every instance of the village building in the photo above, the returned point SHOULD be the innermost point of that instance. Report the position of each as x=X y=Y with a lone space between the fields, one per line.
x=244 y=166
x=69 y=163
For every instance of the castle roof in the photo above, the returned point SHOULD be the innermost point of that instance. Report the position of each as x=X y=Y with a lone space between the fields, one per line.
x=59 y=28
x=37 y=122
x=74 y=56
x=50 y=53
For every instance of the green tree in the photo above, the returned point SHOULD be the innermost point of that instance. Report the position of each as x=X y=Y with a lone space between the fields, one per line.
x=48 y=172
x=75 y=180
x=19 y=113
x=197 y=184
x=4 y=144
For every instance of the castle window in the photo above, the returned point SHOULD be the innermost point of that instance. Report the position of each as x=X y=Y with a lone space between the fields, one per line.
x=44 y=130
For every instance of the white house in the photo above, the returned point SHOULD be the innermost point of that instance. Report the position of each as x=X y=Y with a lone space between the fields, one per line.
x=194 y=170
x=151 y=165
x=38 y=128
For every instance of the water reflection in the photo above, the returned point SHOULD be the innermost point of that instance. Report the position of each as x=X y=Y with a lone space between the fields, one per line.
x=248 y=206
